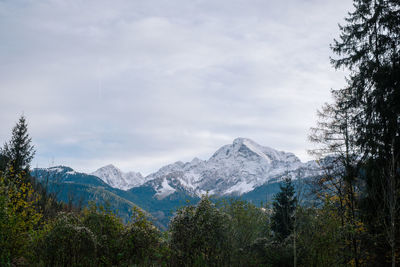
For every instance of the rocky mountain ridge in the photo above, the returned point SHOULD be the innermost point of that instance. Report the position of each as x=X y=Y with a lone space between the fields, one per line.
x=234 y=169
x=118 y=179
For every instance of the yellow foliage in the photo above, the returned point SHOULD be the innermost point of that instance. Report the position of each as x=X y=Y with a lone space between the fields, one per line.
x=19 y=211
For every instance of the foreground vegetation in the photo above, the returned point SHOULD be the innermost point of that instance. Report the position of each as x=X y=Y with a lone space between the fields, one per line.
x=36 y=230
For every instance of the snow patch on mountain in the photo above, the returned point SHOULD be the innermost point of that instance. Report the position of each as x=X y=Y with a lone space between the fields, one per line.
x=57 y=169
x=240 y=188
x=234 y=169
x=118 y=179
x=164 y=190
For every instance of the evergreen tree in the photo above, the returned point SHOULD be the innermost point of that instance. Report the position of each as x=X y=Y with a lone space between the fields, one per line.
x=284 y=206
x=19 y=151
x=361 y=129
x=369 y=47
x=3 y=162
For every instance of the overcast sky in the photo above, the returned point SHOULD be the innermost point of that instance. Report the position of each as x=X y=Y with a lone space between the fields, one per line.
x=141 y=84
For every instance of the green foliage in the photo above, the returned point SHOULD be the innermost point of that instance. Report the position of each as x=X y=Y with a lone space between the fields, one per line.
x=200 y=234
x=5 y=232
x=97 y=237
x=107 y=229
x=247 y=225
x=278 y=253
x=141 y=241
x=284 y=206
x=3 y=162
x=320 y=236
x=18 y=217
x=66 y=242
x=19 y=151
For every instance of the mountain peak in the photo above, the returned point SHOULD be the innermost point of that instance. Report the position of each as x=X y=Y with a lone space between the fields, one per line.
x=241 y=140
x=195 y=161
x=235 y=168
x=245 y=148
x=118 y=179
x=110 y=167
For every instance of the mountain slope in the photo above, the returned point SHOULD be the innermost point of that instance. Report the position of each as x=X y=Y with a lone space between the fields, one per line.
x=234 y=169
x=80 y=188
x=118 y=179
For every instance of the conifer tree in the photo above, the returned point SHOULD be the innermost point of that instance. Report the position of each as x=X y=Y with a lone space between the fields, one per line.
x=369 y=47
x=19 y=151
x=284 y=206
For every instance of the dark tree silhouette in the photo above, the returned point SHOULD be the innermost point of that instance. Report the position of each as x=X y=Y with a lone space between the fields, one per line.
x=284 y=206
x=19 y=151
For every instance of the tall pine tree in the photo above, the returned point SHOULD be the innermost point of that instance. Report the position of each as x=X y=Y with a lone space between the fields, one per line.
x=284 y=206
x=369 y=47
x=19 y=151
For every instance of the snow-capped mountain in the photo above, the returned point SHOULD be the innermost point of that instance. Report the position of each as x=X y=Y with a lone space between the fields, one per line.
x=234 y=169
x=242 y=168
x=118 y=179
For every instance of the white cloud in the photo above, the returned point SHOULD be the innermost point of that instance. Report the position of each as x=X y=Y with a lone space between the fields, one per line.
x=140 y=83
